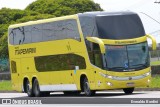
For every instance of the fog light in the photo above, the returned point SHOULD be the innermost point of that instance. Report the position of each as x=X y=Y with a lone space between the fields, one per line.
x=147 y=74
x=149 y=80
x=109 y=84
x=108 y=76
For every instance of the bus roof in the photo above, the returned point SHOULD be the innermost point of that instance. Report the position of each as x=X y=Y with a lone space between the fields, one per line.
x=100 y=13
x=42 y=21
x=89 y=14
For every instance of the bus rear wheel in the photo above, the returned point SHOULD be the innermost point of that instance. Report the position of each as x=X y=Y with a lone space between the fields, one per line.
x=28 y=89
x=36 y=89
x=128 y=90
x=86 y=88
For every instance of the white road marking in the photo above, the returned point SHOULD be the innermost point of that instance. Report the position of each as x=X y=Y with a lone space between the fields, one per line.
x=99 y=94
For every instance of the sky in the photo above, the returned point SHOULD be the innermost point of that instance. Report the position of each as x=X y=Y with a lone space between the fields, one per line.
x=147 y=9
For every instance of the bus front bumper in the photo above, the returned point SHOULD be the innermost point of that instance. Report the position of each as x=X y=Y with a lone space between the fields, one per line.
x=120 y=84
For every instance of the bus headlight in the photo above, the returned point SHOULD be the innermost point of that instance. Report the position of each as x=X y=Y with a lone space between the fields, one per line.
x=147 y=74
x=106 y=76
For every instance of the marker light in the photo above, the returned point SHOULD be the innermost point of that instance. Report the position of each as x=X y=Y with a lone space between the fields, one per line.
x=109 y=84
x=147 y=74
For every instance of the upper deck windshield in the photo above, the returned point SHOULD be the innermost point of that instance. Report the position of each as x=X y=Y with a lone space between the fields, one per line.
x=111 y=25
x=127 y=58
x=119 y=26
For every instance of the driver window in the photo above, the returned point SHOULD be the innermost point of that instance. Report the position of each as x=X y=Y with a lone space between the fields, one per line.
x=95 y=55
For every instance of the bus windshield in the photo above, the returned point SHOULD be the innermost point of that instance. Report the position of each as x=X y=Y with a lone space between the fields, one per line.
x=127 y=58
x=119 y=26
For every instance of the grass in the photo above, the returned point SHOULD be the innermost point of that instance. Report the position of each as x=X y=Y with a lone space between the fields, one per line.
x=155 y=82
x=6 y=85
x=155 y=63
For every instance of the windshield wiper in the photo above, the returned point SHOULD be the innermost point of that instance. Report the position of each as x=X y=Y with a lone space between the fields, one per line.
x=117 y=68
x=140 y=65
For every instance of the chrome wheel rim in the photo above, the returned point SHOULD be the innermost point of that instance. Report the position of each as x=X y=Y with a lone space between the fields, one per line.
x=86 y=88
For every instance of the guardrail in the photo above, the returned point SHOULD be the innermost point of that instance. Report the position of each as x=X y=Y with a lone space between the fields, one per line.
x=5 y=75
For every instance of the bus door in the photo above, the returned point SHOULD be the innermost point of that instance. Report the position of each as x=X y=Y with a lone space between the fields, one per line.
x=74 y=63
x=16 y=73
x=78 y=65
x=96 y=59
x=67 y=79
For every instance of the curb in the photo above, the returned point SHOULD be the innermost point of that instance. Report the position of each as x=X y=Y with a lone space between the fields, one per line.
x=136 y=89
x=147 y=89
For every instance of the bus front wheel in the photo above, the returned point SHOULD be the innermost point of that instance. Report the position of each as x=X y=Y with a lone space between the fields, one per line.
x=86 y=88
x=128 y=90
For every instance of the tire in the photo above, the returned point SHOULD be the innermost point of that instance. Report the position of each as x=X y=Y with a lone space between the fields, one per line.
x=86 y=88
x=36 y=89
x=71 y=92
x=28 y=89
x=128 y=90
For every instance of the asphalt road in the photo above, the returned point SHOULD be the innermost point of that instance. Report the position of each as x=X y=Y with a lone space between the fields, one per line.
x=99 y=94
x=100 y=99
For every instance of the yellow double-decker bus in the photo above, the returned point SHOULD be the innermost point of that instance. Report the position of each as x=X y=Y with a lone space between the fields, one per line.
x=84 y=52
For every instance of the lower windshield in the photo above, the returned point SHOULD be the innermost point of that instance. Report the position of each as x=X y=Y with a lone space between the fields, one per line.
x=127 y=58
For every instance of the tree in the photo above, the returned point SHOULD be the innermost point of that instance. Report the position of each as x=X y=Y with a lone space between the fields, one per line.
x=40 y=9
x=13 y=16
x=63 y=7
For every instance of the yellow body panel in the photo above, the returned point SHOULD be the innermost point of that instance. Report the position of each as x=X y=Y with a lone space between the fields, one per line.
x=125 y=41
x=26 y=65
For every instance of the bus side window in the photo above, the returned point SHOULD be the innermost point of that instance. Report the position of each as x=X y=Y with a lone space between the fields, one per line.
x=16 y=36
x=36 y=33
x=97 y=55
x=59 y=62
x=94 y=53
x=13 y=67
x=76 y=60
x=11 y=36
x=90 y=52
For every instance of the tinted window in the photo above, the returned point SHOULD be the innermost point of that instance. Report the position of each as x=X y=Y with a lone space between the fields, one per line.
x=119 y=26
x=88 y=26
x=13 y=67
x=45 y=32
x=37 y=33
x=95 y=55
x=59 y=62
x=11 y=36
x=28 y=34
x=61 y=30
x=16 y=35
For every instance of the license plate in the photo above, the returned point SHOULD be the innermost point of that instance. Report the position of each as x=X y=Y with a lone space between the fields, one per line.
x=130 y=84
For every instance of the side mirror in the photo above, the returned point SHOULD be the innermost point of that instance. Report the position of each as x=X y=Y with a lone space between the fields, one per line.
x=154 y=43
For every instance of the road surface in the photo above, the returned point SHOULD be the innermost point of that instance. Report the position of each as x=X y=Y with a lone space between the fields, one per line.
x=99 y=94
x=101 y=97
